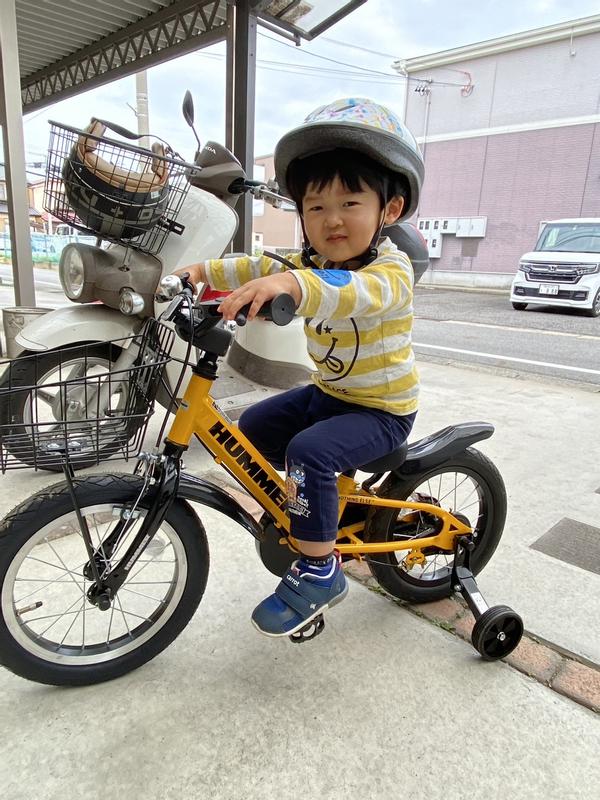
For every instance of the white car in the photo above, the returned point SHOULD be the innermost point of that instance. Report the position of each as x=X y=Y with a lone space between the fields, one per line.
x=564 y=268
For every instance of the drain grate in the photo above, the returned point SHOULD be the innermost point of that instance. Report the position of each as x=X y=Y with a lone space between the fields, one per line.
x=573 y=542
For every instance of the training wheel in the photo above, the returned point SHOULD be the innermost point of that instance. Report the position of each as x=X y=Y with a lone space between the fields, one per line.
x=497 y=632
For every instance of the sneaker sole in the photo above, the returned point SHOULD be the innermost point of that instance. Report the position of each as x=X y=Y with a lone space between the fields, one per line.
x=306 y=621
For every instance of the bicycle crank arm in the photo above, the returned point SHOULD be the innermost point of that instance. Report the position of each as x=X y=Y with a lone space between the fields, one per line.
x=164 y=492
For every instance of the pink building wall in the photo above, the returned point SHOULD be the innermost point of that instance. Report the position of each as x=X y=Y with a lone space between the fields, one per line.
x=516 y=180
x=511 y=131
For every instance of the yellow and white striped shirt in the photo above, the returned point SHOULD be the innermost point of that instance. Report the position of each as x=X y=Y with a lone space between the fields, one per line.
x=358 y=323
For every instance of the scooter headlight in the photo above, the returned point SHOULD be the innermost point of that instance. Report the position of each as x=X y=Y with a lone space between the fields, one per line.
x=77 y=272
x=130 y=302
x=72 y=273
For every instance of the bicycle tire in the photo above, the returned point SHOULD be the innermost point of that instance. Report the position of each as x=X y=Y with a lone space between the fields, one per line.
x=49 y=513
x=383 y=524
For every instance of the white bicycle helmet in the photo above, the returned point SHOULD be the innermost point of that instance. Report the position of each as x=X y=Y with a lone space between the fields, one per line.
x=110 y=200
x=356 y=123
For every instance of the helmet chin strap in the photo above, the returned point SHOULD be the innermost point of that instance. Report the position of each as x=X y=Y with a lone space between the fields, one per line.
x=369 y=255
x=307 y=250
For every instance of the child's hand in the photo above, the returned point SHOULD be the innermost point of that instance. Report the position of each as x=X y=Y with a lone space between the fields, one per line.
x=258 y=292
x=196 y=274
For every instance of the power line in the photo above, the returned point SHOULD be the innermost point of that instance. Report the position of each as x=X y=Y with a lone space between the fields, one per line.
x=358 y=47
x=311 y=71
x=325 y=58
x=366 y=70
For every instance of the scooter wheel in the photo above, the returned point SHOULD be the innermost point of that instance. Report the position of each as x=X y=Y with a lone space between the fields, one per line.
x=497 y=632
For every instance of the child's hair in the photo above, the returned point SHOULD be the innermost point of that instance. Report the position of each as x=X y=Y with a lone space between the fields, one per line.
x=351 y=167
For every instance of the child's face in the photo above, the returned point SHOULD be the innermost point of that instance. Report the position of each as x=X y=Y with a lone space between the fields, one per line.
x=341 y=224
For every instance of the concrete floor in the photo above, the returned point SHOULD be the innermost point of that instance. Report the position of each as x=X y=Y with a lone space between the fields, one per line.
x=381 y=705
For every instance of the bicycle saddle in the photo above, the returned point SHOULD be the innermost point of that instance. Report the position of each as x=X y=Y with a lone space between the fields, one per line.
x=388 y=462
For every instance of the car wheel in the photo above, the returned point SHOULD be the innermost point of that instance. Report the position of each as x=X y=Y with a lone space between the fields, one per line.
x=594 y=311
x=519 y=306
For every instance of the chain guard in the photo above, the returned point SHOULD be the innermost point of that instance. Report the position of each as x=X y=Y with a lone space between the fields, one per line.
x=276 y=557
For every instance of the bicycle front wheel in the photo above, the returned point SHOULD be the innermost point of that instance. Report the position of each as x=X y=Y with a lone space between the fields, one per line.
x=49 y=631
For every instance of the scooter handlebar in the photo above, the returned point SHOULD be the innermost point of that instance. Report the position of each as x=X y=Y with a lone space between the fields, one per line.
x=172 y=285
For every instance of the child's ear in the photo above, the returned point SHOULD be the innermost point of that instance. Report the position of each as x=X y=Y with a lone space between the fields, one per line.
x=393 y=210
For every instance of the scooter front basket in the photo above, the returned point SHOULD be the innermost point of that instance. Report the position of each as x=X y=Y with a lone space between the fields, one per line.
x=113 y=190
x=81 y=404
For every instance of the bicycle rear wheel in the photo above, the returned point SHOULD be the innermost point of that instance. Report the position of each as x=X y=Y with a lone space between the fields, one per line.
x=49 y=631
x=469 y=486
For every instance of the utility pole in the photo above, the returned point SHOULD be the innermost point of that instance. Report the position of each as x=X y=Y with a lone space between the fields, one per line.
x=141 y=103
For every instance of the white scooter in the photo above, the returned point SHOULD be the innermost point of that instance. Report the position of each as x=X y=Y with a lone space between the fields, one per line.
x=114 y=293
x=114 y=290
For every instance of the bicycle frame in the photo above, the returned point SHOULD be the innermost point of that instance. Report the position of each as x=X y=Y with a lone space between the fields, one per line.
x=199 y=416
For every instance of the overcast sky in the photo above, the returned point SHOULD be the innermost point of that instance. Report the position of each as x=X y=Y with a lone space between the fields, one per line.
x=285 y=90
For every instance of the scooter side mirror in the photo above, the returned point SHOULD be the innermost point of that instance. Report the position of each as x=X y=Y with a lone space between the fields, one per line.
x=188 y=108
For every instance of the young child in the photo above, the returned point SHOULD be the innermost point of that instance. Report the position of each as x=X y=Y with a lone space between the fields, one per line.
x=351 y=168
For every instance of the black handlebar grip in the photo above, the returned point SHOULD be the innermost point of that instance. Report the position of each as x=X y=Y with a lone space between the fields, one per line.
x=241 y=318
x=283 y=309
x=280 y=310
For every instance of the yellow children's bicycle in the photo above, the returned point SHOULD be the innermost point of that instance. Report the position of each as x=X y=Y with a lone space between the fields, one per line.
x=99 y=574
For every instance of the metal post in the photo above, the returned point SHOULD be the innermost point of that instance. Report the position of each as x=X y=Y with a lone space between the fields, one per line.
x=141 y=103
x=229 y=77
x=244 y=75
x=14 y=155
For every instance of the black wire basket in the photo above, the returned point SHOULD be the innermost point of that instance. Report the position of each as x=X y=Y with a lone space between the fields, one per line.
x=112 y=190
x=85 y=408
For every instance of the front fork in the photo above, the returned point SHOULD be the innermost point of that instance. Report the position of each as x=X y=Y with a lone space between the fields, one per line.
x=158 y=495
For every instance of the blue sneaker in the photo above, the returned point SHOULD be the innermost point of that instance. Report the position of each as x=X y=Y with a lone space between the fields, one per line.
x=300 y=597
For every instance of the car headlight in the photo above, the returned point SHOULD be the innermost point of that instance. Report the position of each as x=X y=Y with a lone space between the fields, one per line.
x=587 y=269
x=524 y=266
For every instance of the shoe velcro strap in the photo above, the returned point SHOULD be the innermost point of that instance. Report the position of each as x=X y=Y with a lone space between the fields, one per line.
x=305 y=598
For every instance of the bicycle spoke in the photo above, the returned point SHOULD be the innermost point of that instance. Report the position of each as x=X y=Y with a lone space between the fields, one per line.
x=53 y=617
x=66 y=634
x=65 y=566
x=48 y=564
x=64 y=613
x=443 y=497
x=125 y=588
x=39 y=589
x=112 y=611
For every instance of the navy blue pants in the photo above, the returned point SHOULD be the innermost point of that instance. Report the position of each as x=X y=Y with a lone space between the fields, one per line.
x=312 y=436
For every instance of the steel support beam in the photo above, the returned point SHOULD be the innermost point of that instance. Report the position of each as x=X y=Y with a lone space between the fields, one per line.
x=242 y=41
x=14 y=157
x=182 y=27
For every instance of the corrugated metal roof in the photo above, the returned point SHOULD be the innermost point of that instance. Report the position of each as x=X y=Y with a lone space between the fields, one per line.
x=50 y=30
x=65 y=46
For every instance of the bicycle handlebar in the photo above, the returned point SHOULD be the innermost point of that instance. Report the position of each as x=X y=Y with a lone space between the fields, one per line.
x=281 y=310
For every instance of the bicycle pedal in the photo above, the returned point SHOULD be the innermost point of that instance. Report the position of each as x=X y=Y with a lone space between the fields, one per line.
x=309 y=631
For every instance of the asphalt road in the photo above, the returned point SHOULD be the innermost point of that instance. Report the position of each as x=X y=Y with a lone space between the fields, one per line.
x=48 y=291
x=482 y=328
x=466 y=327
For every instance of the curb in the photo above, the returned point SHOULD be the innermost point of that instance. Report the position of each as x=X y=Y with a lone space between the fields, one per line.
x=560 y=671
